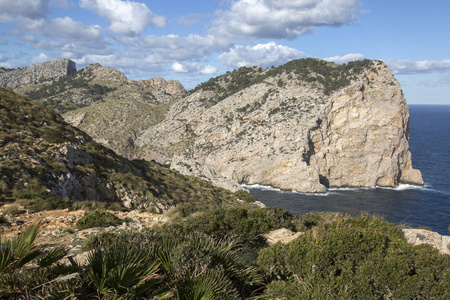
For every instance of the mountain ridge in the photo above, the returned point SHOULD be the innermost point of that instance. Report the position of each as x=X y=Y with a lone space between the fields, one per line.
x=306 y=125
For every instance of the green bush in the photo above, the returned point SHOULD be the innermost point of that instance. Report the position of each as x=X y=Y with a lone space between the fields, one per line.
x=13 y=210
x=3 y=188
x=35 y=197
x=192 y=264
x=98 y=218
x=245 y=196
x=357 y=258
x=28 y=271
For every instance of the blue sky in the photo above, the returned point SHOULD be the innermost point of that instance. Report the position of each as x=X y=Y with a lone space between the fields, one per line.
x=194 y=40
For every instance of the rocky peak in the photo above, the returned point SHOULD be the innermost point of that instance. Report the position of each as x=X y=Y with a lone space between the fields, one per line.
x=38 y=73
x=105 y=76
x=171 y=87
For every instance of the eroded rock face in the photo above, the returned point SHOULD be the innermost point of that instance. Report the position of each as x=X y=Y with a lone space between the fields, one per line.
x=286 y=132
x=422 y=236
x=362 y=137
x=38 y=73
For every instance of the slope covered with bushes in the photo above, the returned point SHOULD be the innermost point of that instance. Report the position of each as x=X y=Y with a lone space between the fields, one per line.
x=337 y=258
x=49 y=164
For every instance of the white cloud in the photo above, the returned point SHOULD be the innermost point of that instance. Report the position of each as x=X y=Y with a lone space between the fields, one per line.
x=73 y=30
x=263 y=55
x=209 y=70
x=282 y=19
x=40 y=59
x=345 y=58
x=5 y=65
x=125 y=17
x=417 y=67
x=115 y=60
x=51 y=34
x=32 y=9
x=193 y=68
x=179 y=68
x=184 y=48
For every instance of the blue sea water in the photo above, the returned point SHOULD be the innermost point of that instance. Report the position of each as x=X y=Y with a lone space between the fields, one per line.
x=425 y=206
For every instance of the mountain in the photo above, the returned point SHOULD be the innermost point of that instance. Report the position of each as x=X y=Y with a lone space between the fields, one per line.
x=45 y=161
x=104 y=99
x=36 y=75
x=307 y=125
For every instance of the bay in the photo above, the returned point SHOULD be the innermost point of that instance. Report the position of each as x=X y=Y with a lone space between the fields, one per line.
x=412 y=206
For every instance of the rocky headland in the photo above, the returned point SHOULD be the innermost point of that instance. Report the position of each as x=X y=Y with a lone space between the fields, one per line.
x=306 y=126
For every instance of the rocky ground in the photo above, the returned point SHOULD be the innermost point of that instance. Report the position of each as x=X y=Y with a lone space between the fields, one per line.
x=58 y=227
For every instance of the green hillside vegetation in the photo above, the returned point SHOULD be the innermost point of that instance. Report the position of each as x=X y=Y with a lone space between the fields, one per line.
x=330 y=76
x=337 y=258
x=33 y=139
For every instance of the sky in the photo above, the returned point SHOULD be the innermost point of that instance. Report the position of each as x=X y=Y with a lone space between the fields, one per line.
x=192 y=41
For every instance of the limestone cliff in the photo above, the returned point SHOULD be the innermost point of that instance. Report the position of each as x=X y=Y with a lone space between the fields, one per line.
x=303 y=126
x=37 y=74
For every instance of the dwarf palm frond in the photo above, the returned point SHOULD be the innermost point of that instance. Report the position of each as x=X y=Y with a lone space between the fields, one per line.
x=210 y=285
x=16 y=252
x=200 y=264
x=122 y=270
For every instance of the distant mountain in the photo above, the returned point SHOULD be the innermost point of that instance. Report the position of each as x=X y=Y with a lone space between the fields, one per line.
x=43 y=160
x=113 y=109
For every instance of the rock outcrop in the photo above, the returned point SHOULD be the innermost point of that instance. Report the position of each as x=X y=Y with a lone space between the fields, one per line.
x=423 y=236
x=304 y=126
x=37 y=74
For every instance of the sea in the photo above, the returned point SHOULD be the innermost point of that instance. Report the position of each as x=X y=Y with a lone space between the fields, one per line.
x=411 y=206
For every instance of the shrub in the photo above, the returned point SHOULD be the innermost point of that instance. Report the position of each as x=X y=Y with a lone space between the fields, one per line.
x=358 y=258
x=3 y=188
x=36 y=198
x=13 y=210
x=98 y=218
x=245 y=196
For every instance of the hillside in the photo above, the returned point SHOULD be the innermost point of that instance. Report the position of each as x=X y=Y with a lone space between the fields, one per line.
x=305 y=126
x=45 y=162
x=103 y=99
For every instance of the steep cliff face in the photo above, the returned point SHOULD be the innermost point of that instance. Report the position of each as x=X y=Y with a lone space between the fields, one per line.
x=37 y=74
x=362 y=137
x=304 y=126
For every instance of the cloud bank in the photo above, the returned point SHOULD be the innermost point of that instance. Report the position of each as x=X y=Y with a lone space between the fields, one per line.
x=345 y=58
x=125 y=17
x=262 y=55
x=416 y=67
x=283 y=19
